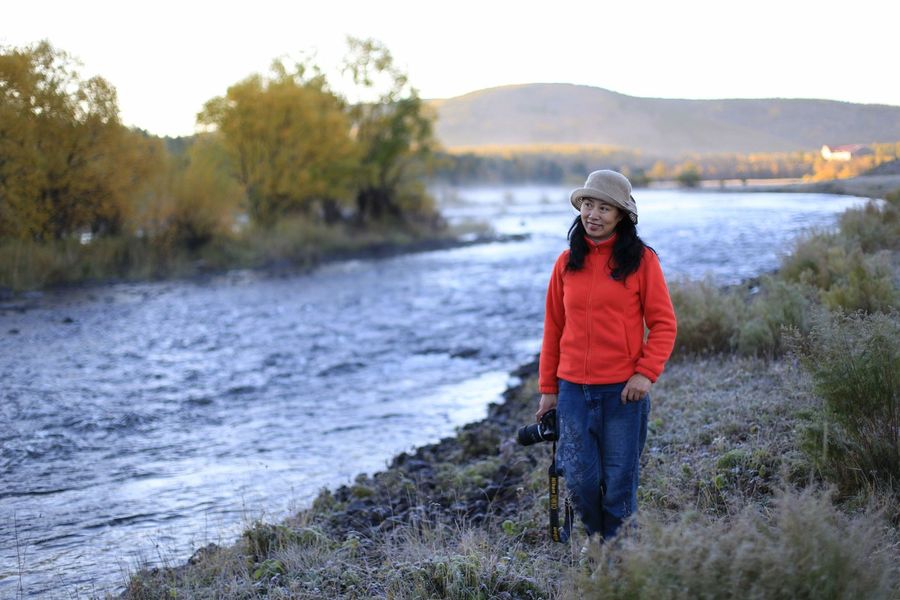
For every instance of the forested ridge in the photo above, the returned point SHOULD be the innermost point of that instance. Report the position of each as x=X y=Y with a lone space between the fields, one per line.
x=558 y=113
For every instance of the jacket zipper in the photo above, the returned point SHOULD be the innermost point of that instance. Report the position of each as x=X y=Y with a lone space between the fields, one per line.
x=587 y=352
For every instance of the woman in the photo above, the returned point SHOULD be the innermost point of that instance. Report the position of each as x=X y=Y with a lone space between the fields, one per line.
x=596 y=366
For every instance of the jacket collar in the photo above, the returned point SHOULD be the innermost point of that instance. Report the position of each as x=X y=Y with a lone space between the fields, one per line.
x=604 y=247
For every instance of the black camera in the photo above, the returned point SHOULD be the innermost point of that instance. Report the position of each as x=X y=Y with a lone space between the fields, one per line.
x=544 y=431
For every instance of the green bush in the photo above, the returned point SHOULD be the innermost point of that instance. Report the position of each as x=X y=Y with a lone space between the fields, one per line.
x=816 y=260
x=807 y=549
x=708 y=317
x=892 y=199
x=865 y=284
x=875 y=226
x=854 y=362
x=848 y=278
x=780 y=305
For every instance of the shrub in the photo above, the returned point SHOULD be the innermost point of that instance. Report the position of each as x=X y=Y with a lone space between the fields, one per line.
x=778 y=306
x=29 y=265
x=875 y=226
x=865 y=284
x=688 y=176
x=854 y=361
x=815 y=259
x=708 y=317
x=848 y=278
x=893 y=199
x=808 y=549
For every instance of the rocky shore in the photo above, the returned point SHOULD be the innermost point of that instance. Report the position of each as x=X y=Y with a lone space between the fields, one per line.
x=479 y=478
x=467 y=517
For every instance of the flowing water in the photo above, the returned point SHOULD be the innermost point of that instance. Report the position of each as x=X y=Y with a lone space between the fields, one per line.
x=140 y=421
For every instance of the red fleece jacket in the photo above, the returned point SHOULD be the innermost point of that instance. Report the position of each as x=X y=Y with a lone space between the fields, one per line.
x=594 y=325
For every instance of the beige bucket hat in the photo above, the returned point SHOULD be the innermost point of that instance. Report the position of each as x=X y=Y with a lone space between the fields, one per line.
x=608 y=186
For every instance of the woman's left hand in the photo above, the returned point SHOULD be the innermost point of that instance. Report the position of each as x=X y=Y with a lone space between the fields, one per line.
x=636 y=388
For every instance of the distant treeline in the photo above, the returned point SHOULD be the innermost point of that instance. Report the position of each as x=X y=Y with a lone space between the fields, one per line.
x=568 y=164
x=275 y=153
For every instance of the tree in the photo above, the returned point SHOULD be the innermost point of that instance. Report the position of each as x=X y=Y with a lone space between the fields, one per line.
x=394 y=132
x=658 y=171
x=65 y=160
x=688 y=175
x=289 y=140
x=193 y=199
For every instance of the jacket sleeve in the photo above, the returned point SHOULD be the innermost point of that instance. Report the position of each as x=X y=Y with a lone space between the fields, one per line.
x=659 y=316
x=554 y=322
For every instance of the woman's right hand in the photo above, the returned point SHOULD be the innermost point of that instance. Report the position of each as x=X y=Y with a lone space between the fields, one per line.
x=548 y=402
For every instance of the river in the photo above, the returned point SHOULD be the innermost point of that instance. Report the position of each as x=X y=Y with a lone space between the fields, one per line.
x=141 y=421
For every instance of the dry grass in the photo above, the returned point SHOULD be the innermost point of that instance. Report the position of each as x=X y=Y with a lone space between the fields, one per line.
x=803 y=547
x=854 y=438
x=723 y=448
x=294 y=243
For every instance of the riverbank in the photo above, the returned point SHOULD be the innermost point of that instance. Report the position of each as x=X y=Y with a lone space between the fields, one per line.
x=466 y=517
x=292 y=264
x=735 y=496
x=294 y=246
x=866 y=186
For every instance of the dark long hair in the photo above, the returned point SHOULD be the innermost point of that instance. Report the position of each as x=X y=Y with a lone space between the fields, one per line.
x=628 y=248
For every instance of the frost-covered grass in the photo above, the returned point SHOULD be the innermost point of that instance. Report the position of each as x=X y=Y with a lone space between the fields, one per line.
x=466 y=518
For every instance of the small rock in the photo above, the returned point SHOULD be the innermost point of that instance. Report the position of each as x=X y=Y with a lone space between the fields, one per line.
x=202 y=553
x=465 y=353
x=340 y=519
x=13 y=331
x=414 y=465
x=492 y=490
x=389 y=524
x=379 y=514
x=68 y=320
x=359 y=505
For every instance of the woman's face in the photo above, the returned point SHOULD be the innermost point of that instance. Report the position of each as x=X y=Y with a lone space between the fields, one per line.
x=599 y=218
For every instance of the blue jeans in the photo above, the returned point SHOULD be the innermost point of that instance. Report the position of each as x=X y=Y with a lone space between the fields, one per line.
x=598 y=452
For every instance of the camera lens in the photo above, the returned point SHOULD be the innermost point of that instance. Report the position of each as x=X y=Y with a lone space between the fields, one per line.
x=530 y=434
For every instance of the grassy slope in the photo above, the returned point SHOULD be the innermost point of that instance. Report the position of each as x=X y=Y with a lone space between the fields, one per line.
x=465 y=518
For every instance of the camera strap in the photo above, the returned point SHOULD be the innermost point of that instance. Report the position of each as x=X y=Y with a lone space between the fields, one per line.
x=557 y=534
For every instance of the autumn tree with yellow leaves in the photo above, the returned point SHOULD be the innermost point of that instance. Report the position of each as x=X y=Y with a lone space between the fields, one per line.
x=66 y=162
x=192 y=198
x=278 y=148
x=289 y=140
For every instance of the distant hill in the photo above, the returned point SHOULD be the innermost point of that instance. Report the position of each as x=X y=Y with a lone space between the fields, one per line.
x=555 y=113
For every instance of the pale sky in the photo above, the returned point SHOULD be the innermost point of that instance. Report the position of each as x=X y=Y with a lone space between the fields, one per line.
x=167 y=58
